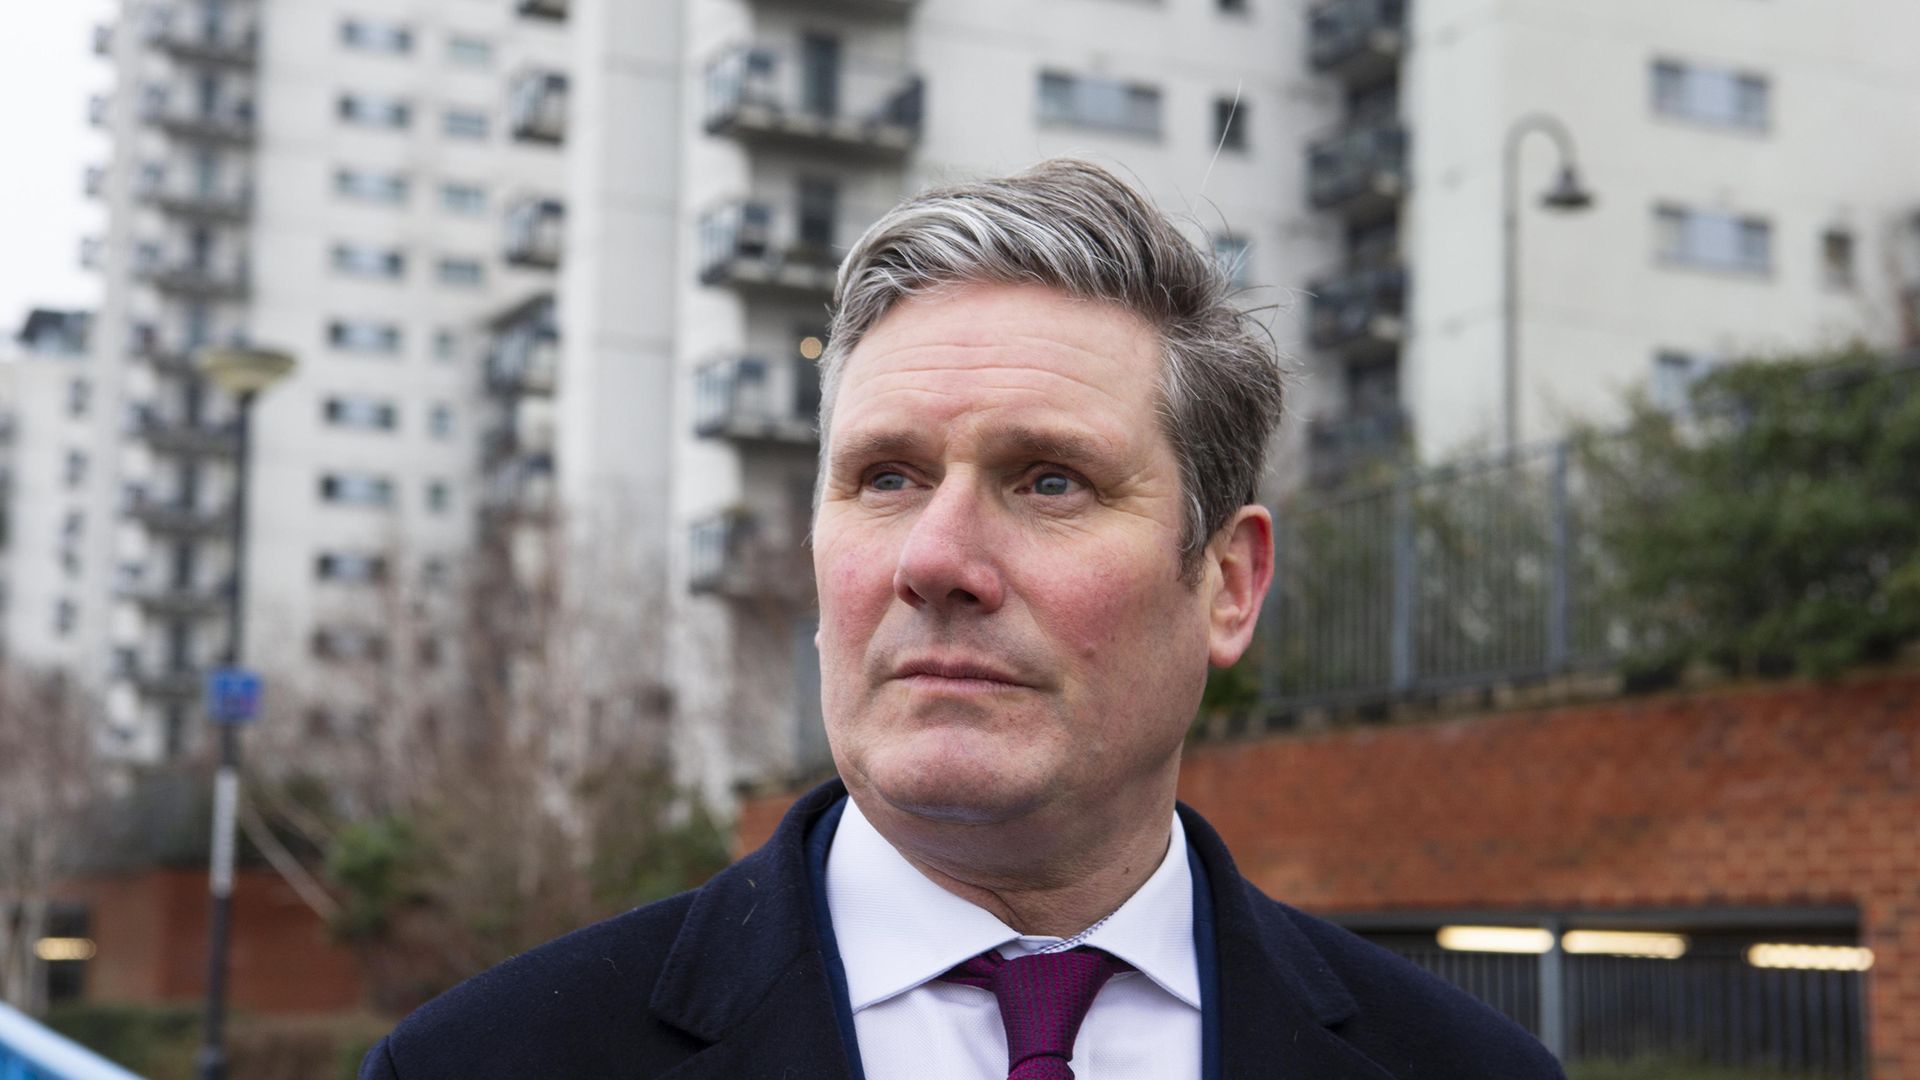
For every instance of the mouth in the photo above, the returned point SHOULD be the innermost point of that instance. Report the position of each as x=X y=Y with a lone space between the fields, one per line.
x=957 y=676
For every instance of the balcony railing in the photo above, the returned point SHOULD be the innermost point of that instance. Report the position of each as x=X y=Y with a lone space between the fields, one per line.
x=520 y=489
x=1358 y=309
x=181 y=600
x=749 y=399
x=1357 y=40
x=761 y=94
x=225 y=279
x=542 y=9
x=535 y=228
x=776 y=246
x=181 y=437
x=525 y=353
x=736 y=554
x=1360 y=172
x=186 y=33
x=1341 y=449
x=537 y=107
x=180 y=685
x=884 y=9
x=226 y=124
x=225 y=203
x=178 y=519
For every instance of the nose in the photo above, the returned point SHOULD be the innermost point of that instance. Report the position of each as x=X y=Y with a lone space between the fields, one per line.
x=948 y=562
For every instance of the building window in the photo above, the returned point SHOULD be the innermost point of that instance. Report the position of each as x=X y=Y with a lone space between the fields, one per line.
x=1230 y=124
x=458 y=198
x=371 y=110
x=1238 y=7
x=366 y=35
x=356 y=489
x=1716 y=96
x=464 y=124
x=446 y=345
x=1713 y=240
x=73 y=525
x=376 y=187
x=469 y=51
x=362 y=260
x=76 y=472
x=439 y=496
x=350 y=568
x=361 y=413
x=1674 y=373
x=1082 y=101
x=64 y=616
x=440 y=421
x=435 y=572
x=1836 y=258
x=427 y=651
x=338 y=643
x=1231 y=254
x=364 y=336
x=454 y=271
x=79 y=396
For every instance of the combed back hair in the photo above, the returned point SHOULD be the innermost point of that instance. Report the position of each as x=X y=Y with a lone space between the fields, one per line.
x=1075 y=227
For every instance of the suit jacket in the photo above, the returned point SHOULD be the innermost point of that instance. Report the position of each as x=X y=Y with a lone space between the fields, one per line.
x=731 y=982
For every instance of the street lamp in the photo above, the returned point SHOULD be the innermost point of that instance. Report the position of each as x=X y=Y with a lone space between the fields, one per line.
x=233 y=694
x=1567 y=195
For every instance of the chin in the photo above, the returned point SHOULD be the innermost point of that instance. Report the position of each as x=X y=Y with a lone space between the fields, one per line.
x=960 y=788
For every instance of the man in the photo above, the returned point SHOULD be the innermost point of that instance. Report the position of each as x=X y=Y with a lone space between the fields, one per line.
x=1043 y=423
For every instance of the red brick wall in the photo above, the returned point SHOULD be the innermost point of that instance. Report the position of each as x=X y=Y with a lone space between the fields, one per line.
x=150 y=930
x=1779 y=794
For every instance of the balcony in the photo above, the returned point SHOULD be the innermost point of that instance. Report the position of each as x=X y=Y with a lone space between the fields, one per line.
x=735 y=554
x=520 y=490
x=181 y=601
x=178 y=519
x=750 y=400
x=190 y=34
x=542 y=9
x=1360 y=310
x=525 y=357
x=181 y=438
x=1340 y=449
x=873 y=9
x=195 y=202
x=227 y=124
x=764 y=96
x=1360 y=172
x=93 y=253
x=94 y=183
x=1357 y=41
x=535 y=227
x=537 y=107
x=189 y=277
x=99 y=110
x=184 y=685
x=103 y=39
x=787 y=249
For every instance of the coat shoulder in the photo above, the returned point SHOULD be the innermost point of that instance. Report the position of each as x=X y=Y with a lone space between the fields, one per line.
x=577 y=1004
x=1411 y=1021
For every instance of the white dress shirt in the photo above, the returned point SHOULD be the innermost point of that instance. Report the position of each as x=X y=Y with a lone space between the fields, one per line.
x=898 y=931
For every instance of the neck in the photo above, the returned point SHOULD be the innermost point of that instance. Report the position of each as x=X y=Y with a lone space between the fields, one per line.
x=1050 y=878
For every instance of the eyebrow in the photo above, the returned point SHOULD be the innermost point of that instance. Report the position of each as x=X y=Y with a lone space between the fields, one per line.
x=1044 y=444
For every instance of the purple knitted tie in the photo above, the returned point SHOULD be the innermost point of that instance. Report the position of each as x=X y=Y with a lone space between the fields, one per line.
x=1043 y=997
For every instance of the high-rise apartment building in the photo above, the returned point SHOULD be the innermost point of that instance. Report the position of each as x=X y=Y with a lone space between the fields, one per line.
x=360 y=184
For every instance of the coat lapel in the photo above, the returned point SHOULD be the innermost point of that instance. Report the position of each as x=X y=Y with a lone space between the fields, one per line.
x=746 y=973
x=1280 y=1003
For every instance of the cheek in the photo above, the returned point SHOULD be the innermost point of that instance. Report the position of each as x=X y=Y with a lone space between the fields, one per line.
x=855 y=581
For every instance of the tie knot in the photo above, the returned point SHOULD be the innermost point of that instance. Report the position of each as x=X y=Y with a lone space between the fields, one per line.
x=1043 y=998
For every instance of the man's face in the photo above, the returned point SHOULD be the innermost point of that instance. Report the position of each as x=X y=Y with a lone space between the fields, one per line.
x=1003 y=625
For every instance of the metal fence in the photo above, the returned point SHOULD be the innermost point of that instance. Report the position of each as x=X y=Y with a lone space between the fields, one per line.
x=1714 y=1008
x=1468 y=574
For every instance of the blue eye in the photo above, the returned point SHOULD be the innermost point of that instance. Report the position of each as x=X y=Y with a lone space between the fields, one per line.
x=888 y=481
x=1053 y=484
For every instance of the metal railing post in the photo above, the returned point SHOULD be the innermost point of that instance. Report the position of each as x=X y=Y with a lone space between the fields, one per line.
x=1559 y=636
x=1403 y=570
x=1553 y=988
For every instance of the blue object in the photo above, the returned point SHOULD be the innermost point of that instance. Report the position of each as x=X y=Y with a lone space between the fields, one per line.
x=233 y=696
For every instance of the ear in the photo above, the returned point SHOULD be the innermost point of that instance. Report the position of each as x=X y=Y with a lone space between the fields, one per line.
x=1242 y=557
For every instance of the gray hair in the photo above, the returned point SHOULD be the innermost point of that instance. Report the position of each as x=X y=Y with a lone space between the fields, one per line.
x=1074 y=226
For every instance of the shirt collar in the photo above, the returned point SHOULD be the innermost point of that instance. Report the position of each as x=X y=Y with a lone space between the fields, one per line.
x=897 y=929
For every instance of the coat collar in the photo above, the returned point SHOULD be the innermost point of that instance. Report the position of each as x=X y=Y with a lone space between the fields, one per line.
x=746 y=971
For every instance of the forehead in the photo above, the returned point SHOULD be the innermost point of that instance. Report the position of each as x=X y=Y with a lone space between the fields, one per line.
x=1017 y=352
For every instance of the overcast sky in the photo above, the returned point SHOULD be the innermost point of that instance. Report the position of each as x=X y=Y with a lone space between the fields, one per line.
x=47 y=69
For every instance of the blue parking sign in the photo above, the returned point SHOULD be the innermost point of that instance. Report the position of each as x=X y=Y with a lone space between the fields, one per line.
x=233 y=696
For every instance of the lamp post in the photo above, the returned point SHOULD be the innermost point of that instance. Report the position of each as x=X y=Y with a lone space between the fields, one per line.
x=1567 y=195
x=232 y=694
